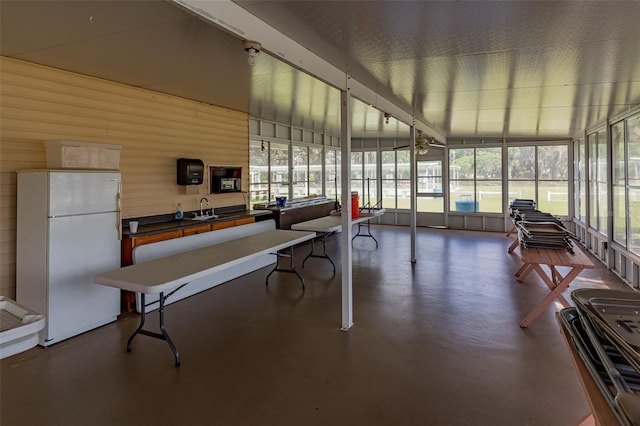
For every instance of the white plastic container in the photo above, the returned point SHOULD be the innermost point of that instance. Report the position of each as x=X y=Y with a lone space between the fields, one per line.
x=82 y=155
x=19 y=328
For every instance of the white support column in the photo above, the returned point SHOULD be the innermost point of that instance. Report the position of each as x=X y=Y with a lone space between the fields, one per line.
x=345 y=180
x=414 y=187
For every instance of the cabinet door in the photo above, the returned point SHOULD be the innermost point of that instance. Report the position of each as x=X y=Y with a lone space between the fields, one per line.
x=223 y=225
x=193 y=230
x=244 y=221
x=128 y=244
x=148 y=239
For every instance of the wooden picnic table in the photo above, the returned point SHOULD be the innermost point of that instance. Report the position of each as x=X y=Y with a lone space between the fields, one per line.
x=533 y=259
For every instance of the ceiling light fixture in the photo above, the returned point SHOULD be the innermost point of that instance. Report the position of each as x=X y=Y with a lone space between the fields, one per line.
x=387 y=116
x=253 y=49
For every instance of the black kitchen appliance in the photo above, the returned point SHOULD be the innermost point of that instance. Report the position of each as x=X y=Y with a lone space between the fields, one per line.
x=225 y=179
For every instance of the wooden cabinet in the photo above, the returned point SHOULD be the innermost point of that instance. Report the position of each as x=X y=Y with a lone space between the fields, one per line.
x=223 y=224
x=128 y=299
x=229 y=223
x=193 y=230
x=148 y=239
x=129 y=243
x=244 y=221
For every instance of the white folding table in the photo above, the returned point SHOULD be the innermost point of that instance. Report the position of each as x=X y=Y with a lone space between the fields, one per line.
x=168 y=274
x=327 y=225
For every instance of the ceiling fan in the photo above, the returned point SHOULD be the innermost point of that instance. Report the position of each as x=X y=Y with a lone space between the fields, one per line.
x=422 y=144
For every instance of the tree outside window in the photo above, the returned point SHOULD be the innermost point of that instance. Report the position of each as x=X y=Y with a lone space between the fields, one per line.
x=540 y=173
x=475 y=182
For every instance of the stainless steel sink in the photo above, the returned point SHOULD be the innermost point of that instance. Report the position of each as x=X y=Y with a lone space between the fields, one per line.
x=205 y=217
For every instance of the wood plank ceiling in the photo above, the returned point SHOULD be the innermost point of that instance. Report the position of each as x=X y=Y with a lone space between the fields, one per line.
x=483 y=69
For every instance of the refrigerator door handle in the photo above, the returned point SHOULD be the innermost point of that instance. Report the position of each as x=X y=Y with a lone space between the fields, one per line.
x=119 y=216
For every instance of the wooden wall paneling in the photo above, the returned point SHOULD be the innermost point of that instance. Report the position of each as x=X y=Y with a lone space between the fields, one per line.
x=154 y=129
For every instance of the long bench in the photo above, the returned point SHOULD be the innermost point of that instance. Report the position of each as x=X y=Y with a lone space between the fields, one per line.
x=166 y=248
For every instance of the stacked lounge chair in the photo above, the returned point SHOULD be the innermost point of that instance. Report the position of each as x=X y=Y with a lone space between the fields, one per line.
x=604 y=328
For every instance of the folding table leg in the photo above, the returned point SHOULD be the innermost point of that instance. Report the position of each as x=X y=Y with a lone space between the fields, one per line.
x=163 y=335
x=368 y=234
x=291 y=269
x=324 y=254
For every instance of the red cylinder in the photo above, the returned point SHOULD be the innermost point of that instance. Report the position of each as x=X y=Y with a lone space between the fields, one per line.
x=355 y=208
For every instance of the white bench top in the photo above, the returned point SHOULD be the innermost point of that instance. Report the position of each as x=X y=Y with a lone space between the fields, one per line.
x=334 y=223
x=168 y=273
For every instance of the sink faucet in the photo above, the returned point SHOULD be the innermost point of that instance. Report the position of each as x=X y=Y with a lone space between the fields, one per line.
x=201 y=200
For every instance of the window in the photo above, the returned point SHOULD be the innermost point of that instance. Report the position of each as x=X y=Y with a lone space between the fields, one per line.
x=598 y=205
x=540 y=173
x=592 y=147
x=461 y=180
x=579 y=180
x=625 y=136
x=553 y=179
x=258 y=172
x=315 y=171
x=619 y=184
x=396 y=185
x=268 y=171
x=429 y=174
x=633 y=173
x=602 y=179
x=363 y=177
x=489 y=179
x=332 y=174
x=388 y=179
x=278 y=169
x=300 y=171
x=521 y=162
x=475 y=179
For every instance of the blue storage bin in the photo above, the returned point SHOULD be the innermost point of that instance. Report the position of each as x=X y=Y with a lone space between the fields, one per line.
x=467 y=206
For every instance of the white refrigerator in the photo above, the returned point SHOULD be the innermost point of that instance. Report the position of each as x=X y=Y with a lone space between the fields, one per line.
x=68 y=230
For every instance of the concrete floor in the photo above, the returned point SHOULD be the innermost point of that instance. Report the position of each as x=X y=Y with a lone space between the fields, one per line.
x=435 y=343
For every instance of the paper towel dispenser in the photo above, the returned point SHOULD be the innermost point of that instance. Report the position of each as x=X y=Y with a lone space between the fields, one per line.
x=190 y=171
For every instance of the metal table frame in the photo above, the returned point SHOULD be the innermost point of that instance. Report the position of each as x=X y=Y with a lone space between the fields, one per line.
x=327 y=225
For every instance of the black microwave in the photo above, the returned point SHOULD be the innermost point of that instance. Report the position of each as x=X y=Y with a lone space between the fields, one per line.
x=227 y=184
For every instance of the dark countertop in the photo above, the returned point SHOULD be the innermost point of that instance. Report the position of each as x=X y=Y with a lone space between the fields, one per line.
x=294 y=204
x=149 y=226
